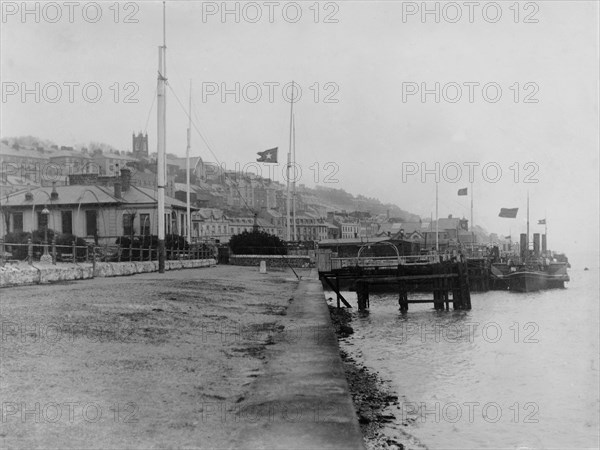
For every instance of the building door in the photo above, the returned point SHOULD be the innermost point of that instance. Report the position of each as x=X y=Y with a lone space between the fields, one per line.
x=91 y=223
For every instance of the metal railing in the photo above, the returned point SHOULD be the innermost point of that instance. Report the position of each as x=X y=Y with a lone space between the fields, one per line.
x=91 y=253
x=383 y=261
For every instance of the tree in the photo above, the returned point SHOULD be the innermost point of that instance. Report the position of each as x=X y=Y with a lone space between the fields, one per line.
x=257 y=242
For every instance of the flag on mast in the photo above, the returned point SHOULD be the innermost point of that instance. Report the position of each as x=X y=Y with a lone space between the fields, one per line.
x=463 y=191
x=268 y=156
x=509 y=213
x=542 y=222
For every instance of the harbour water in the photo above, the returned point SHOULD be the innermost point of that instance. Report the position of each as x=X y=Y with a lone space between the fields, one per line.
x=517 y=371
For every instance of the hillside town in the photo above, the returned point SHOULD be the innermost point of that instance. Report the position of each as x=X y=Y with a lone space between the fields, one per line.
x=101 y=193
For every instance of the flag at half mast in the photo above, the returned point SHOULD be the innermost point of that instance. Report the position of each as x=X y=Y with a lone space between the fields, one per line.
x=462 y=191
x=268 y=156
x=509 y=213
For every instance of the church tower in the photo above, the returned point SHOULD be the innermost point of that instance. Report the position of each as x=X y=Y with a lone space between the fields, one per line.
x=140 y=146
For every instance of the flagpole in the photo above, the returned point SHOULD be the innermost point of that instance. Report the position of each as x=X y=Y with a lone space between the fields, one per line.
x=288 y=165
x=472 y=224
x=187 y=170
x=437 y=227
x=162 y=143
x=294 y=180
x=472 y=207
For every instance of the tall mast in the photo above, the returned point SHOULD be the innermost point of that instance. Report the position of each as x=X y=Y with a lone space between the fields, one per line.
x=294 y=180
x=162 y=144
x=289 y=157
x=187 y=170
x=472 y=207
x=437 y=221
x=546 y=228
x=527 y=239
x=472 y=224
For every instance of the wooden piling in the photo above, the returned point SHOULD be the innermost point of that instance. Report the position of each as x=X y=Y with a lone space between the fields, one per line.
x=362 y=294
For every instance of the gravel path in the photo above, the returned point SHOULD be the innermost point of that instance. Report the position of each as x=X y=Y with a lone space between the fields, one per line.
x=149 y=361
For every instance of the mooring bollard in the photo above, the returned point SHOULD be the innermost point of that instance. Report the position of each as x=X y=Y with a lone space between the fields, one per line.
x=263 y=267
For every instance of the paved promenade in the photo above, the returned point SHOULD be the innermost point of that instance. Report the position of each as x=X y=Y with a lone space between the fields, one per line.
x=220 y=357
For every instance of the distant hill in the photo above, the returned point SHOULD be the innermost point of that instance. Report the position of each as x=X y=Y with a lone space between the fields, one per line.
x=343 y=200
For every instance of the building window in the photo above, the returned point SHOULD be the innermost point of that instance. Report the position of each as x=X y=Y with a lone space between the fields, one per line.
x=42 y=220
x=128 y=224
x=17 y=220
x=145 y=224
x=66 y=218
x=91 y=225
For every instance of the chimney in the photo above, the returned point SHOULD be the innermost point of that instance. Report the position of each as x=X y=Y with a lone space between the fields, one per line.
x=544 y=245
x=117 y=187
x=523 y=238
x=54 y=194
x=536 y=244
x=125 y=179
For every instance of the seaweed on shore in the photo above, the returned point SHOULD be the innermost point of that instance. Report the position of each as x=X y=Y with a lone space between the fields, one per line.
x=368 y=392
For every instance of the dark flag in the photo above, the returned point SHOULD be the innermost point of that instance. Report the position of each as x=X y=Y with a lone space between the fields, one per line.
x=507 y=237
x=542 y=222
x=462 y=191
x=268 y=156
x=509 y=213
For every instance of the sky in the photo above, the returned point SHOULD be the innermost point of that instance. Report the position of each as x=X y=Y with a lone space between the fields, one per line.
x=389 y=94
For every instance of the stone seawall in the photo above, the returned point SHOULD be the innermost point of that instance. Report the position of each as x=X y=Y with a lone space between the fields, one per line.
x=271 y=260
x=23 y=274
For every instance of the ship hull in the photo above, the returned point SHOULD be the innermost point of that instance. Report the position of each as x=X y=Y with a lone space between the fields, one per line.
x=533 y=281
x=525 y=280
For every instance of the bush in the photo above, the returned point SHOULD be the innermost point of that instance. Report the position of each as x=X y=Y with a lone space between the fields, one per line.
x=257 y=242
x=65 y=240
x=142 y=243
x=21 y=237
x=37 y=238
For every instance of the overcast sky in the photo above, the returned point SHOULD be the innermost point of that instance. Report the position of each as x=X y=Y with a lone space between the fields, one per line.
x=358 y=65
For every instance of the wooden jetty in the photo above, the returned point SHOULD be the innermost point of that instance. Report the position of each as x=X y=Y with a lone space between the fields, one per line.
x=479 y=274
x=441 y=279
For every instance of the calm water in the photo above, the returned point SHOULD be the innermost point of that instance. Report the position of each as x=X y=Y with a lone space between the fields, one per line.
x=517 y=371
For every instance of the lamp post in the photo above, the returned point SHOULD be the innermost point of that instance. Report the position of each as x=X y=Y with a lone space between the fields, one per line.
x=46 y=257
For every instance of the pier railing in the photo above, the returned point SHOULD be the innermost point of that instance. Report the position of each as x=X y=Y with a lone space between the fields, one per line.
x=383 y=261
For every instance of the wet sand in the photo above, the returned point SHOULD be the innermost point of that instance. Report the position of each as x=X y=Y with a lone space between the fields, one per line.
x=372 y=398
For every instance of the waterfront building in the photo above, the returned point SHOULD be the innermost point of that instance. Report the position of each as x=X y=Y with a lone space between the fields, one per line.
x=103 y=211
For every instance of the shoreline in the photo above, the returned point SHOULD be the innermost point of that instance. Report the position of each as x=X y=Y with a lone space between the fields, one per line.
x=371 y=397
